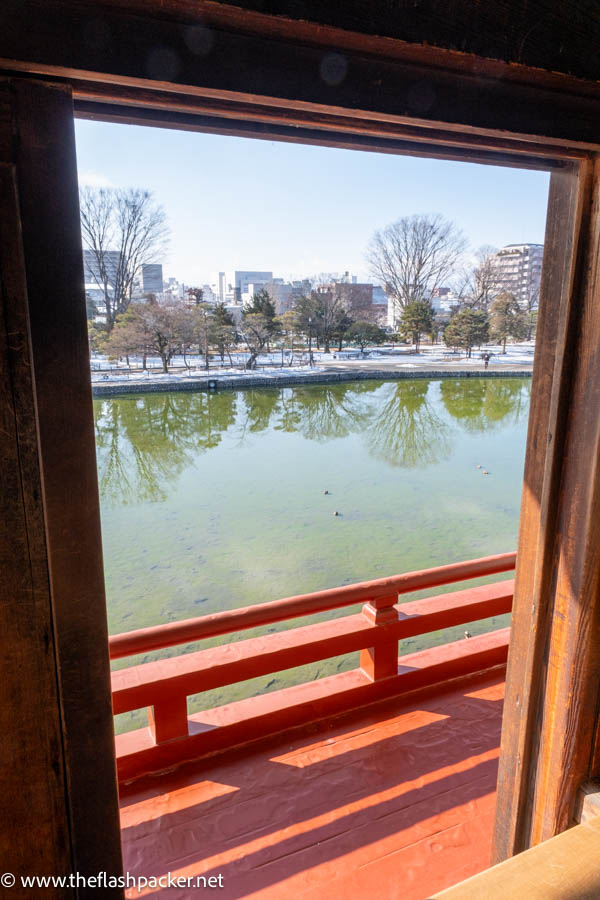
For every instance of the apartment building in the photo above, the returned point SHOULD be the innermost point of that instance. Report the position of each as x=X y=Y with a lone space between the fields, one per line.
x=518 y=269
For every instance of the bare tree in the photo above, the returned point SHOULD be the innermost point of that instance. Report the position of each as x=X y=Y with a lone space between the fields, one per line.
x=330 y=314
x=323 y=280
x=123 y=229
x=203 y=327
x=480 y=284
x=530 y=307
x=415 y=255
x=126 y=338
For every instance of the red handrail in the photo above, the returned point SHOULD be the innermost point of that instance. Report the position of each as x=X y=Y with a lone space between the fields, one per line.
x=158 y=636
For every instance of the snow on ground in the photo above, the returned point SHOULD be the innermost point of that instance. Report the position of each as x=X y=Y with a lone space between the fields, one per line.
x=269 y=365
x=202 y=373
x=516 y=354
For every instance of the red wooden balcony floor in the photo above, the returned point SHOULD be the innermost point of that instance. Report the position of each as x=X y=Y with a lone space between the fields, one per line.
x=395 y=800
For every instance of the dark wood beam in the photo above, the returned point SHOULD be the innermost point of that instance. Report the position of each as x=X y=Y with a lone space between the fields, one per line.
x=55 y=666
x=453 y=149
x=206 y=49
x=561 y=35
x=32 y=778
x=93 y=98
x=552 y=696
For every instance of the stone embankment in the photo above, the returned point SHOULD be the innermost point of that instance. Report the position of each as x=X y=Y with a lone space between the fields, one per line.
x=282 y=379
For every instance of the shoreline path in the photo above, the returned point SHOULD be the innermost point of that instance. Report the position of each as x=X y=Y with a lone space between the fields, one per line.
x=325 y=371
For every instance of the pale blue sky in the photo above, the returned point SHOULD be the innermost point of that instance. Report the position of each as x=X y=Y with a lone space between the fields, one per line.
x=238 y=203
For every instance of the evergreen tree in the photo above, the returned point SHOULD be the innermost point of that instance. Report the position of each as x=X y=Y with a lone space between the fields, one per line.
x=363 y=333
x=343 y=324
x=222 y=315
x=507 y=319
x=467 y=329
x=416 y=319
x=255 y=330
x=307 y=310
x=262 y=304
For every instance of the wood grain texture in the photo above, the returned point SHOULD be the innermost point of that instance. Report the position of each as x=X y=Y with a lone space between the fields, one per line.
x=48 y=205
x=408 y=27
x=561 y=868
x=34 y=826
x=192 y=47
x=532 y=606
x=551 y=710
x=587 y=805
x=571 y=698
x=449 y=146
x=92 y=98
x=563 y=35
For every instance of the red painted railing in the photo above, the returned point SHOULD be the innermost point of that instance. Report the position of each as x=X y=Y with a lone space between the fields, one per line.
x=164 y=685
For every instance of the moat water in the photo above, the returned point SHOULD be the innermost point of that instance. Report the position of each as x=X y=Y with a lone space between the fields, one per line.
x=212 y=501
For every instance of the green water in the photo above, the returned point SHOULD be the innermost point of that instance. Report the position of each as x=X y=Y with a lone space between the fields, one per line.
x=213 y=501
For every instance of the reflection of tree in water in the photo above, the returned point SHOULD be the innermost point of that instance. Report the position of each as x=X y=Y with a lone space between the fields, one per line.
x=143 y=443
x=259 y=407
x=405 y=430
x=481 y=404
x=291 y=411
x=400 y=424
x=333 y=410
x=318 y=413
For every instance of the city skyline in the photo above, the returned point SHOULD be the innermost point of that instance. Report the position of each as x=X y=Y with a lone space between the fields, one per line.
x=298 y=210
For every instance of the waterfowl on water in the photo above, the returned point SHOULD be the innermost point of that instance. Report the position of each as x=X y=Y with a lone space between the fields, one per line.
x=336 y=513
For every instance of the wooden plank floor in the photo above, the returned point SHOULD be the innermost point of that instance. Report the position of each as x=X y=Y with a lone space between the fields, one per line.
x=395 y=800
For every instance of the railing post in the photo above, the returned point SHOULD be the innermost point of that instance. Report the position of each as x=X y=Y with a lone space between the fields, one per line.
x=381 y=660
x=168 y=719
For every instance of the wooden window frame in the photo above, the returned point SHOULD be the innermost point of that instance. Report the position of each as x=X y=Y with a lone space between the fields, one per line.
x=550 y=740
x=525 y=816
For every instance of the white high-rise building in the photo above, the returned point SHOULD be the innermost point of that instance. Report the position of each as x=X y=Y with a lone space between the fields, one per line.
x=518 y=269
